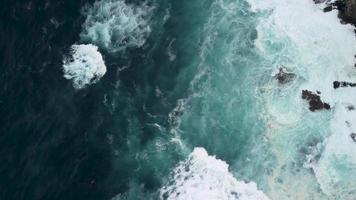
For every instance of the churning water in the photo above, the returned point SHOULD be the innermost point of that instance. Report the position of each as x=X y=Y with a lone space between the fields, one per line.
x=167 y=99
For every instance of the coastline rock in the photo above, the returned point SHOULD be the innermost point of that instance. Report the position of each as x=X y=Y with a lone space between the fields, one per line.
x=284 y=77
x=349 y=13
x=338 y=84
x=339 y=5
x=314 y=100
x=347 y=9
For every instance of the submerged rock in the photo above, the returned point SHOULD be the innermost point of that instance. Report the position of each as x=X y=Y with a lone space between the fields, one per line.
x=350 y=107
x=337 y=84
x=353 y=136
x=314 y=100
x=284 y=77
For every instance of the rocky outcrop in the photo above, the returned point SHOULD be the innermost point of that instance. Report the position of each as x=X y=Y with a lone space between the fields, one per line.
x=314 y=100
x=284 y=77
x=347 y=9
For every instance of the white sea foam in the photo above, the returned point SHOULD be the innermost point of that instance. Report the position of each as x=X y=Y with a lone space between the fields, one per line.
x=336 y=169
x=115 y=25
x=84 y=66
x=205 y=177
x=320 y=50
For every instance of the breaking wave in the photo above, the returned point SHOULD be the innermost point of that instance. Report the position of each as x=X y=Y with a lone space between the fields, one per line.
x=84 y=66
x=204 y=177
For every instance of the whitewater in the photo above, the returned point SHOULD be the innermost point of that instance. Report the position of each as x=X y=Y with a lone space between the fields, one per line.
x=227 y=129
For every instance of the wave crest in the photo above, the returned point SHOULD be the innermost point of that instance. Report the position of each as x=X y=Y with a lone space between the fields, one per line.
x=204 y=177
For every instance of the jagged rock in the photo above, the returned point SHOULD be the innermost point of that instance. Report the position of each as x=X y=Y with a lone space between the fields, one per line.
x=283 y=76
x=338 y=84
x=314 y=100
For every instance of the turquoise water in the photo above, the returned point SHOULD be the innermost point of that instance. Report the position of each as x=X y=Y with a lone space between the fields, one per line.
x=178 y=100
x=204 y=77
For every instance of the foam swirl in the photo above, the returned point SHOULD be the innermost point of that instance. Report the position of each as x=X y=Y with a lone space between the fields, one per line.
x=115 y=25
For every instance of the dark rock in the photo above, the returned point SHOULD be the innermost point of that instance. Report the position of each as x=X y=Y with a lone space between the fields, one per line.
x=340 y=5
x=326 y=106
x=314 y=100
x=350 y=11
x=338 y=84
x=353 y=136
x=347 y=10
x=284 y=77
x=328 y=8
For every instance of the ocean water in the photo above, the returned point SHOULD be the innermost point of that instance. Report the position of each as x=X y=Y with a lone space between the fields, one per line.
x=166 y=99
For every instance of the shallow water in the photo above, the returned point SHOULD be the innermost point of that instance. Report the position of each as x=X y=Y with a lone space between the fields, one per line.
x=189 y=106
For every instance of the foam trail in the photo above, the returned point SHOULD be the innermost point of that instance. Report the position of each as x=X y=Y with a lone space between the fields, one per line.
x=204 y=177
x=84 y=66
x=115 y=25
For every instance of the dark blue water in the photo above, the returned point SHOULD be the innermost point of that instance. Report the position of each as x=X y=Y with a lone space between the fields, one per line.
x=50 y=141
x=53 y=138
